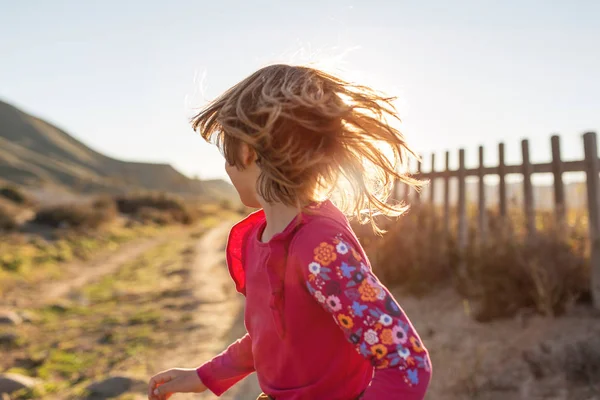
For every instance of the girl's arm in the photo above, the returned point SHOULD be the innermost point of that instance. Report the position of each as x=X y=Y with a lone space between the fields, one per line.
x=229 y=367
x=339 y=277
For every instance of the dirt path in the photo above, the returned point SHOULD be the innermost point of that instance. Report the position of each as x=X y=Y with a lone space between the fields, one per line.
x=77 y=274
x=218 y=317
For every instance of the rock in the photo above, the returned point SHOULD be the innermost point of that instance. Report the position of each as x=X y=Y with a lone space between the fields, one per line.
x=115 y=386
x=10 y=318
x=59 y=307
x=13 y=382
x=8 y=338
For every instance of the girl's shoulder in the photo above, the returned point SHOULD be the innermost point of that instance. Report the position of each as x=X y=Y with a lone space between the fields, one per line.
x=327 y=225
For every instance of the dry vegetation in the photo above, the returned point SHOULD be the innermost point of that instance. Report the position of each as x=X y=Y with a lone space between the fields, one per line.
x=122 y=322
x=33 y=251
x=508 y=272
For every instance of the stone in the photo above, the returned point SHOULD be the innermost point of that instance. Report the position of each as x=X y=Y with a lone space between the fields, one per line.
x=12 y=382
x=115 y=386
x=8 y=339
x=10 y=318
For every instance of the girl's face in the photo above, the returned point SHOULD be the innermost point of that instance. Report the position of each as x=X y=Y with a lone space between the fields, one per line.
x=244 y=180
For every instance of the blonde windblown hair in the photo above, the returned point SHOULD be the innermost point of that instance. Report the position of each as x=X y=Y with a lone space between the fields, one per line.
x=314 y=136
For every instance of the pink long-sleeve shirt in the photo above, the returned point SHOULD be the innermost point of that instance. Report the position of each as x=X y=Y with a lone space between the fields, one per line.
x=320 y=324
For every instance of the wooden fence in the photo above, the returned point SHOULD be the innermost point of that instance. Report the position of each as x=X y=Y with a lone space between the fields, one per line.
x=590 y=165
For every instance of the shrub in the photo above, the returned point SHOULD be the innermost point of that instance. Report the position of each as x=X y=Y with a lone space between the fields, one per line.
x=170 y=208
x=508 y=272
x=8 y=221
x=76 y=216
x=15 y=195
x=413 y=254
x=545 y=272
x=152 y=215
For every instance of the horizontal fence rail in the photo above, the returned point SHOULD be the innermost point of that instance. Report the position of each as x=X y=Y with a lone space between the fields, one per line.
x=590 y=165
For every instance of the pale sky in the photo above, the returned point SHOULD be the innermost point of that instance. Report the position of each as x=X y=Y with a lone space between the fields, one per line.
x=124 y=76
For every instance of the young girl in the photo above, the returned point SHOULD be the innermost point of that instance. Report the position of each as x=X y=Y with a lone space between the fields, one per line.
x=320 y=324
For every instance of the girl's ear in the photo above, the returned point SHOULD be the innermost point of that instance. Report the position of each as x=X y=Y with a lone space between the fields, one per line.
x=248 y=155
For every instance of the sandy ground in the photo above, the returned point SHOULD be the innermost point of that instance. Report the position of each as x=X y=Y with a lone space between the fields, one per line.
x=219 y=316
x=471 y=360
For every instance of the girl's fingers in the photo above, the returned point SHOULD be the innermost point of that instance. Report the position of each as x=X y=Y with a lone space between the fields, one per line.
x=159 y=379
x=164 y=390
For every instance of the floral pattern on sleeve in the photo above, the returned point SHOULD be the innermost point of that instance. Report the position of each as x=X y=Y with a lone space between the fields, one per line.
x=338 y=278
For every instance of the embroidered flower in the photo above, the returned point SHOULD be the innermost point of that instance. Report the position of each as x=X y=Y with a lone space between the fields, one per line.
x=403 y=352
x=383 y=364
x=385 y=320
x=325 y=254
x=398 y=335
x=386 y=336
x=334 y=303
x=347 y=270
x=345 y=321
x=374 y=282
x=358 y=308
x=416 y=344
x=371 y=337
x=379 y=351
x=358 y=276
x=413 y=376
x=381 y=294
x=319 y=296
x=392 y=307
x=314 y=268
x=333 y=287
x=341 y=248
x=367 y=292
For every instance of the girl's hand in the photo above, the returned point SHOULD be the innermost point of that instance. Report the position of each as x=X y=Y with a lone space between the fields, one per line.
x=175 y=380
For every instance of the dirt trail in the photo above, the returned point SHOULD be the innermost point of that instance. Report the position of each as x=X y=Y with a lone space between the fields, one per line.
x=80 y=273
x=218 y=318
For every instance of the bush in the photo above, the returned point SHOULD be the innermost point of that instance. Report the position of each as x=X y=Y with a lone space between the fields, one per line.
x=413 y=254
x=76 y=216
x=152 y=215
x=165 y=209
x=508 y=272
x=546 y=272
x=15 y=195
x=8 y=221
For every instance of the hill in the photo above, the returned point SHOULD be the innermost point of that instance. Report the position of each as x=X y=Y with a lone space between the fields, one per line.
x=34 y=152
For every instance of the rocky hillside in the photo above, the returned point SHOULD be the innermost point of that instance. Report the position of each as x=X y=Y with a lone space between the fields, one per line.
x=34 y=152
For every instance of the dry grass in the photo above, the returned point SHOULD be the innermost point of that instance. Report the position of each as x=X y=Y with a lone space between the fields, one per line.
x=119 y=323
x=508 y=272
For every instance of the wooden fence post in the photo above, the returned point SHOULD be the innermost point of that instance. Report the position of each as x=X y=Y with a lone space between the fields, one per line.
x=419 y=172
x=527 y=189
x=462 y=207
x=482 y=210
x=432 y=182
x=559 y=188
x=447 y=197
x=592 y=170
x=501 y=182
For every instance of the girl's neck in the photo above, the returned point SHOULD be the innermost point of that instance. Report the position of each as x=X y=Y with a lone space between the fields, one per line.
x=278 y=217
